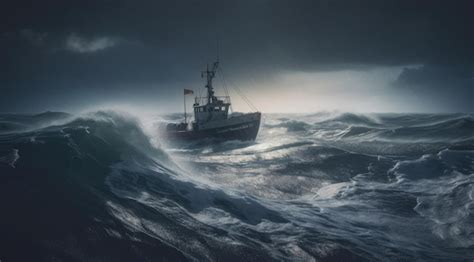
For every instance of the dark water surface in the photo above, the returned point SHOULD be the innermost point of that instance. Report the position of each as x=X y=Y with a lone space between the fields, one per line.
x=325 y=187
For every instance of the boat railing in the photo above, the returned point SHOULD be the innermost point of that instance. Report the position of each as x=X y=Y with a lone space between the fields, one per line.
x=203 y=100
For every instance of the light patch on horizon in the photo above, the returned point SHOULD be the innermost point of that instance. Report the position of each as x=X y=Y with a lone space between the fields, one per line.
x=347 y=90
x=79 y=44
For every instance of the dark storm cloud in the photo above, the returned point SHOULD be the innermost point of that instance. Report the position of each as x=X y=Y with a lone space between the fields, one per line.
x=103 y=43
x=452 y=85
x=436 y=76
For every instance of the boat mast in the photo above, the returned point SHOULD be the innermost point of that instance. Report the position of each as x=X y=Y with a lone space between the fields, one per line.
x=210 y=74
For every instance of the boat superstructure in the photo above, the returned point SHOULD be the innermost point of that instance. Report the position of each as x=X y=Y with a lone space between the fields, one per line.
x=212 y=118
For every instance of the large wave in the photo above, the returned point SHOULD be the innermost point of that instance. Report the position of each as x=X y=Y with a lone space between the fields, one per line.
x=55 y=198
x=95 y=187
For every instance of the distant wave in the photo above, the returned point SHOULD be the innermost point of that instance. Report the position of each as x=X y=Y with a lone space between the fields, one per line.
x=383 y=127
x=458 y=128
x=354 y=119
x=15 y=122
x=291 y=125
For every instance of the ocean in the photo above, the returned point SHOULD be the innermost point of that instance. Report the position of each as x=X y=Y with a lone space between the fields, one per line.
x=327 y=186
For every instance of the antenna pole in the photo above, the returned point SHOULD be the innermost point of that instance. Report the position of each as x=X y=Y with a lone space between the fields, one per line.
x=210 y=74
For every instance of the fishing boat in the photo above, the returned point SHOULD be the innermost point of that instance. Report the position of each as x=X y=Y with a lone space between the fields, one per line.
x=212 y=119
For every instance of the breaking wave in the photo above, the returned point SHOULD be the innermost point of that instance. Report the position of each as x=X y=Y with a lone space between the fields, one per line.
x=326 y=187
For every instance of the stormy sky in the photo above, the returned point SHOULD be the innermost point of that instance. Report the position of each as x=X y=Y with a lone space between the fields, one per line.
x=287 y=56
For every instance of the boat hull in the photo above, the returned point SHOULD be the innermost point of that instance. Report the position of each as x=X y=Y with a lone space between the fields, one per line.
x=242 y=128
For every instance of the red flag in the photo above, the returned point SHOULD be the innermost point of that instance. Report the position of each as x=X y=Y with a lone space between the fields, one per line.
x=188 y=92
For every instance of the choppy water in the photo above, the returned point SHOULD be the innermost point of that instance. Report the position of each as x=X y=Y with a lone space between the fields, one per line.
x=325 y=186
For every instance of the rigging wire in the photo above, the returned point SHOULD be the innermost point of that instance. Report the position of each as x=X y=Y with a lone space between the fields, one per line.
x=243 y=98
x=238 y=91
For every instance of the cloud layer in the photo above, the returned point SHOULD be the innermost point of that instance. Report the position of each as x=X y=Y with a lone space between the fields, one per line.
x=79 y=44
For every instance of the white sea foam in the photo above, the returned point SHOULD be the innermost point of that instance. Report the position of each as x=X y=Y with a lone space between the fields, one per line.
x=10 y=158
